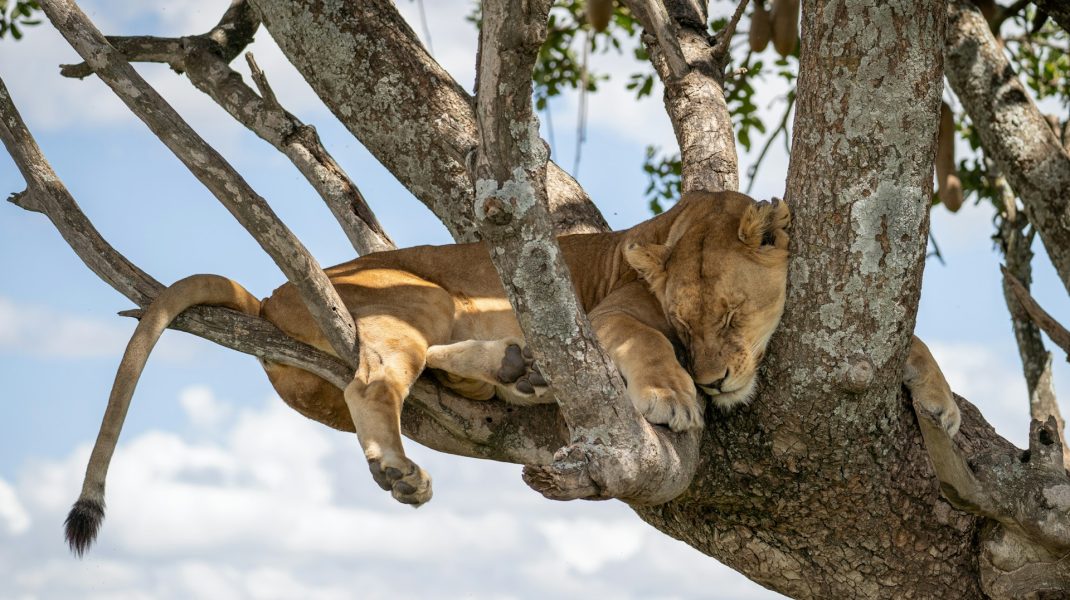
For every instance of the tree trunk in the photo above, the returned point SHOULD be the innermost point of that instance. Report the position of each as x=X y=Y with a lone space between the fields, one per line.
x=822 y=488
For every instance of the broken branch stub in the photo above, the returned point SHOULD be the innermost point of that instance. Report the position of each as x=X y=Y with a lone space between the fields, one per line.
x=614 y=453
x=1025 y=494
x=214 y=172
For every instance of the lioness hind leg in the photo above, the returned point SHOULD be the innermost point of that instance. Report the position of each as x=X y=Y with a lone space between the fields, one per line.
x=505 y=364
x=929 y=388
x=392 y=353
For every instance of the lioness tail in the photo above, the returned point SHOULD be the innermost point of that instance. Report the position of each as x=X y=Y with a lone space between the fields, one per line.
x=87 y=513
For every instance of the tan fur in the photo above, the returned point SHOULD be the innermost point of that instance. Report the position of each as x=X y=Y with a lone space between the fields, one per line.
x=929 y=388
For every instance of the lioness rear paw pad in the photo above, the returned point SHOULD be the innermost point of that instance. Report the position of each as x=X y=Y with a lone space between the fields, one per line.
x=519 y=370
x=406 y=482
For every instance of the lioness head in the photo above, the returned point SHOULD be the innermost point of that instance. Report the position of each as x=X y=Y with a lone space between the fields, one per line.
x=720 y=277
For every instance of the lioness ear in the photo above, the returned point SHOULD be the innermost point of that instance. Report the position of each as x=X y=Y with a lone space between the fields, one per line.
x=765 y=224
x=649 y=261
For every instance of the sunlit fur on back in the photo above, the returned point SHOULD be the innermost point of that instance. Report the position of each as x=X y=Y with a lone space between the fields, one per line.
x=720 y=278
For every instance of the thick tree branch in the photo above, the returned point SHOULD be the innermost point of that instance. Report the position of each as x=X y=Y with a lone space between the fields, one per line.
x=656 y=21
x=614 y=452
x=433 y=416
x=205 y=58
x=214 y=172
x=371 y=70
x=695 y=100
x=1014 y=134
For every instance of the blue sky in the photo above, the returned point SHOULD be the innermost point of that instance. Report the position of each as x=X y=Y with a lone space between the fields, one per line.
x=218 y=489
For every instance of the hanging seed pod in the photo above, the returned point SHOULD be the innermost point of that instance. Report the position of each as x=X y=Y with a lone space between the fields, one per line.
x=599 y=12
x=947 y=177
x=785 y=19
x=761 y=28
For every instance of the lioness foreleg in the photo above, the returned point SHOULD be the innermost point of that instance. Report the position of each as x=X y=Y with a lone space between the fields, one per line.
x=658 y=385
x=929 y=388
x=391 y=358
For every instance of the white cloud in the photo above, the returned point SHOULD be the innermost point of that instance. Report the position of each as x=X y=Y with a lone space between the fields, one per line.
x=202 y=408
x=42 y=332
x=275 y=506
x=587 y=545
x=13 y=516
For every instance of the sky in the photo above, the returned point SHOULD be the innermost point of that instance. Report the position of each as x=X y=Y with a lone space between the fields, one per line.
x=218 y=490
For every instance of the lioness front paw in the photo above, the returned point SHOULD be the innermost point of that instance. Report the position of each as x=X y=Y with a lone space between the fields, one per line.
x=404 y=479
x=519 y=371
x=942 y=407
x=672 y=402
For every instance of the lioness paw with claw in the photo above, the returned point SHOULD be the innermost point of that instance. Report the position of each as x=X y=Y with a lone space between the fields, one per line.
x=670 y=400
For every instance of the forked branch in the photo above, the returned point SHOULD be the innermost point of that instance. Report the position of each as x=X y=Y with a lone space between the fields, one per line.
x=422 y=132
x=694 y=99
x=614 y=452
x=214 y=172
x=228 y=38
x=205 y=59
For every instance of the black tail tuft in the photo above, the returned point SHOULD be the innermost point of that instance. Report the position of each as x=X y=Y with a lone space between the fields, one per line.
x=82 y=524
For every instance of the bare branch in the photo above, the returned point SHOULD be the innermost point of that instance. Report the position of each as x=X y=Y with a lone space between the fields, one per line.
x=1045 y=321
x=695 y=102
x=421 y=132
x=432 y=416
x=655 y=19
x=614 y=452
x=1018 y=274
x=299 y=142
x=1013 y=131
x=214 y=172
x=229 y=37
x=720 y=51
x=203 y=58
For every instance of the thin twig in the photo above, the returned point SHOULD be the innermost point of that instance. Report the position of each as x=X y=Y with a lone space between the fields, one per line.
x=1058 y=334
x=781 y=127
x=262 y=83
x=725 y=35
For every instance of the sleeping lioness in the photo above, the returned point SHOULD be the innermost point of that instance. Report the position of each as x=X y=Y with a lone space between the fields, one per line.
x=707 y=277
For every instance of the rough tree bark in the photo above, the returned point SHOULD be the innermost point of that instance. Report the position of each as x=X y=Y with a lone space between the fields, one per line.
x=825 y=485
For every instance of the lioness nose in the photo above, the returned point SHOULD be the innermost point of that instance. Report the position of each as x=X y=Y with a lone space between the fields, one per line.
x=716 y=384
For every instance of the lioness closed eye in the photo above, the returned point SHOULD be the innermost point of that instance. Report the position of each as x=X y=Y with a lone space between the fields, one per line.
x=708 y=275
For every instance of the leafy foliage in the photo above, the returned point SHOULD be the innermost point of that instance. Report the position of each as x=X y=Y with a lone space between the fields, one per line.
x=14 y=16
